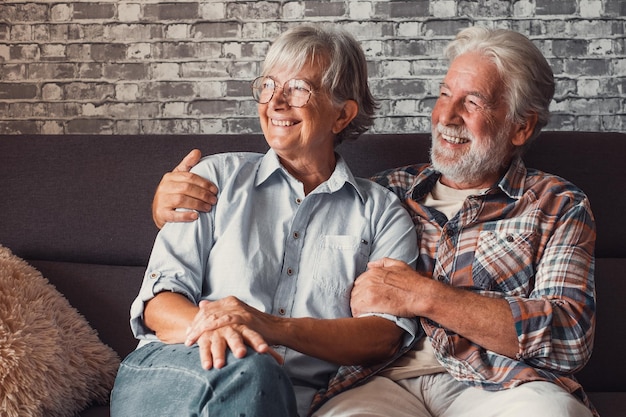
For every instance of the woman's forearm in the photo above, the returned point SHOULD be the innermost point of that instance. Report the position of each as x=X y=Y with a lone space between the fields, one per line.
x=168 y=315
x=345 y=341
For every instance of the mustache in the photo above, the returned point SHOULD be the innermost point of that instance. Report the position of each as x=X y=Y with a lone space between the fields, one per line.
x=457 y=132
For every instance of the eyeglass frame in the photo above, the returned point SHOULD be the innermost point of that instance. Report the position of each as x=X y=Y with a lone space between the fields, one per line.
x=276 y=85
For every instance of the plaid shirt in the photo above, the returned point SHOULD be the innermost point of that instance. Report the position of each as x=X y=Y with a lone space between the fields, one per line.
x=530 y=239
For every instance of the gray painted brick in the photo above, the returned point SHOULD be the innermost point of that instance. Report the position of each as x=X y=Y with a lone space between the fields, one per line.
x=215 y=30
x=569 y=47
x=171 y=11
x=88 y=91
x=106 y=52
x=324 y=9
x=244 y=125
x=30 y=12
x=88 y=10
x=213 y=107
x=51 y=71
x=18 y=127
x=556 y=7
x=493 y=8
x=403 y=9
x=253 y=10
x=169 y=90
x=136 y=71
x=447 y=28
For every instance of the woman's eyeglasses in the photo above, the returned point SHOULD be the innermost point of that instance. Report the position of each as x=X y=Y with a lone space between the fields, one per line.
x=296 y=92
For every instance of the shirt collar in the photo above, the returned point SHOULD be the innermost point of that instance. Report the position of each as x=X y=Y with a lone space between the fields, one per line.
x=512 y=182
x=340 y=176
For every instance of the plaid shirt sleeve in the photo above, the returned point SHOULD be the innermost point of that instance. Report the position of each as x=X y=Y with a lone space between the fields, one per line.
x=555 y=323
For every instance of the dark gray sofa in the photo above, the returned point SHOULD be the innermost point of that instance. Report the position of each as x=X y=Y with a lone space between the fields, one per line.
x=78 y=209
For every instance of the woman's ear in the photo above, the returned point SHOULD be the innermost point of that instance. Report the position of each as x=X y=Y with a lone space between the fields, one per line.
x=347 y=113
x=524 y=131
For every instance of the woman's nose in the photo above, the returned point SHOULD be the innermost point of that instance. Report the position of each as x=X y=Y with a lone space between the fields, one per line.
x=279 y=98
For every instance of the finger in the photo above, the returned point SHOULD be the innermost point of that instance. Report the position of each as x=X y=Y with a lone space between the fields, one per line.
x=169 y=216
x=276 y=356
x=255 y=340
x=218 y=350
x=182 y=187
x=235 y=342
x=189 y=161
x=378 y=263
x=384 y=263
x=412 y=204
x=389 y=262
x=204 y=345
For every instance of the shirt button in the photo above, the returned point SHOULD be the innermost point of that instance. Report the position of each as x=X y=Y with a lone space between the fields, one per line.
x=154 y=275
x=510 y=238
x=281 y=311
x=296 y=235
x=289 y=271
x=298 y=200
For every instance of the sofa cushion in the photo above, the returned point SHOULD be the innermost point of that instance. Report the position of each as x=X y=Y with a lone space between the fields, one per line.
x=51 y=361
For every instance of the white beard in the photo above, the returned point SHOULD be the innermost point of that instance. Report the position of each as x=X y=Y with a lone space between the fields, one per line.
x=484 y=158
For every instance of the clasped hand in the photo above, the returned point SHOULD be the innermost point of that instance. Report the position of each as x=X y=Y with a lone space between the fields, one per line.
x=388 y=286
x=228 y=324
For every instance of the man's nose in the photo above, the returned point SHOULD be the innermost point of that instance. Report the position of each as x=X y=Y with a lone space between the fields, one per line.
x=449 y=112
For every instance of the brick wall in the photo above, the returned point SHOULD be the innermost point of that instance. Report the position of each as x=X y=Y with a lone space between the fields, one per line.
x=184 y=66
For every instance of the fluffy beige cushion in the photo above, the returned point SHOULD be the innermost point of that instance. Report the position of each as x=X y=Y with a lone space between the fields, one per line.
x=52 y=363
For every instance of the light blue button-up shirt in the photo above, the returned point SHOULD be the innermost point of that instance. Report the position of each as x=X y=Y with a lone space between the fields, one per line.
x=278 y=250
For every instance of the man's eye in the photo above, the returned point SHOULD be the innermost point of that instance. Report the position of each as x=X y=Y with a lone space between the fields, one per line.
x=473 y=104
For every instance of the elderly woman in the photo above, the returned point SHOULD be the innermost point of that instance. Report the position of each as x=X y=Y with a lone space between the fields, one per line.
x=246 y=310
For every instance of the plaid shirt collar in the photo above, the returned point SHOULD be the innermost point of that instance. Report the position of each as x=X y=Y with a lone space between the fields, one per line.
x=511 y=183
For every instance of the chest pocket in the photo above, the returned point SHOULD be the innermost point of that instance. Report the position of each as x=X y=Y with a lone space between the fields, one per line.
x=339 y=260
x=503 y=262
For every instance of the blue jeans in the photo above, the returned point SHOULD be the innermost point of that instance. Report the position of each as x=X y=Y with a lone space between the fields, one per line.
x=160 y=380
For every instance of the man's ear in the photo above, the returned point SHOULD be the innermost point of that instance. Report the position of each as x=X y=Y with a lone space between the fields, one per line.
x=347 y=113
x=524 y=131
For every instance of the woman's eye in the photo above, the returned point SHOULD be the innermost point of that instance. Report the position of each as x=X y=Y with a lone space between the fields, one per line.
x=298 y=85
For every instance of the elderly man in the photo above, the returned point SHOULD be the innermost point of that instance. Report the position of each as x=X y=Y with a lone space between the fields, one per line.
x=504 y=284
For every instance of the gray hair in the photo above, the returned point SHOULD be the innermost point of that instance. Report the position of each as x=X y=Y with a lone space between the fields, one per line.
x=344 y=75
x=525 y=72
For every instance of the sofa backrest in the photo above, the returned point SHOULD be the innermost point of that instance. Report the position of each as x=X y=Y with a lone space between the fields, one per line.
x=87 y=198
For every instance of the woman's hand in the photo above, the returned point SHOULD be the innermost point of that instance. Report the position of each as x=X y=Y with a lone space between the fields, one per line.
x=227 y=324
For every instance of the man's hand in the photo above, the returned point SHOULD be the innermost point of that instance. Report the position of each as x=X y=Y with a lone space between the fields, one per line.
x=227 y=323
x=182 y=189
x=388 y=287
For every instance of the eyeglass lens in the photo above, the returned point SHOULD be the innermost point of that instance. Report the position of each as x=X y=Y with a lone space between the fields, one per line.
x=296 y=92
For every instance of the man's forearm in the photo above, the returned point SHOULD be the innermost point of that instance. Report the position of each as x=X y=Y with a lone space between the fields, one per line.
x=486 y=321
